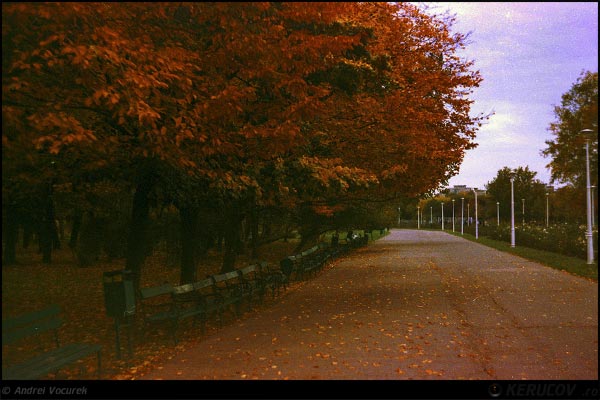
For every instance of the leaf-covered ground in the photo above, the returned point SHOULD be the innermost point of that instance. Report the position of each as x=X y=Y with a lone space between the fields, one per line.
x=414 y=305
x=31 y=285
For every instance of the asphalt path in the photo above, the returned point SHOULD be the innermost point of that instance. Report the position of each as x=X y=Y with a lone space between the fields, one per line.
x=412 y=305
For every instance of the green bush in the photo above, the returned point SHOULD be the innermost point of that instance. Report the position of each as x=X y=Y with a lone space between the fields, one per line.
x=567 y=239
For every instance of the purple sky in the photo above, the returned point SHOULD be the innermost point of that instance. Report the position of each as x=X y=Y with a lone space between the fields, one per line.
x=529 y=55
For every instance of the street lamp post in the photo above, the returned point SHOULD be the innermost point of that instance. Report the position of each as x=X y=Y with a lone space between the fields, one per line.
x=431 y=217
x=468 y=214
x=588 y=233
x=512 y=212
x=462 y=215
x=593 y=214
x=498 y=212
x=476 y=222
x=523 y=200
x=442 y=216
x=547 y=211
x=418 y=219
x=452 y=215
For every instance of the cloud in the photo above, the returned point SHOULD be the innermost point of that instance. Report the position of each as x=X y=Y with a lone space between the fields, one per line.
x=502 y=129
x=529 y=55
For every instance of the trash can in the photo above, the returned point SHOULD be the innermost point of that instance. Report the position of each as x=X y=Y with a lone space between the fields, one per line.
x=287 y=266
x=119 y=296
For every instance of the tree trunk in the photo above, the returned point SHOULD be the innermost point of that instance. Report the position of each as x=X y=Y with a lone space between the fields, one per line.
x=173 y=243
x=48 y=231
x=12 y=235
x=189 y=236
x=308 y=235
x=230 y=245
x=220 y=237
x=266 y=228
x=239 y=239
x=231 y=236
x=137 y=245
x=55 y=234
x=205 y=241
x=77 y=216
x=90 y=238
x=27 y=233
x=254 y=230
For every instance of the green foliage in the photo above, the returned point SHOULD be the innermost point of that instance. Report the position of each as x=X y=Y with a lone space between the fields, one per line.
x=525 y=187
x=567 y=239
x=578 y=110
x=568 y=204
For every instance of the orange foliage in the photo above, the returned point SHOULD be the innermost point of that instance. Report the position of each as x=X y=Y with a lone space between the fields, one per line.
x=340 y=99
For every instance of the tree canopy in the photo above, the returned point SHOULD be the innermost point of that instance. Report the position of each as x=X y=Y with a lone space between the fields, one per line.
x=525 y=186
x=238 y=104
x=578 y=110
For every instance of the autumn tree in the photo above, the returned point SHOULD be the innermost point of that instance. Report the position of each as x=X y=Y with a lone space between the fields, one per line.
x=398 y=109
x=80 y=83
x=234 y=107
x=205 y=93
x=578 y=110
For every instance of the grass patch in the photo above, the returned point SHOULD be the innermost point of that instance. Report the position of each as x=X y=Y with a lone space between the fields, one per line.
x=573 y=265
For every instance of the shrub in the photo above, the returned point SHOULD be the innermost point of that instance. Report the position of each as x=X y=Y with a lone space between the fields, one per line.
x=567 y=239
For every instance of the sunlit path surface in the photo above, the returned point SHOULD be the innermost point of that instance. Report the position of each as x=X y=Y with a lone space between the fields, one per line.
x=413 y=305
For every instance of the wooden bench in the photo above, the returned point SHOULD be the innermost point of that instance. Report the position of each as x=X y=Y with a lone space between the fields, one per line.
x=273 y=278
x=336 y=248
x=35 y=324
x=253 y=282
x=209 y=301
x=325 y=254
x=171 y=304
x=231 y=288
x=291 y=266
x=357 y=241
x=211 y=296
x=364 y=240
x=310 y=262
x=352 y=242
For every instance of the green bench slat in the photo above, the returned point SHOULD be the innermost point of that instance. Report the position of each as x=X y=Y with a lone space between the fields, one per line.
x=25 y=331
x=13 y=322
x=154 y=291
x=214 y=294
x=33 y=324
x=50 y=361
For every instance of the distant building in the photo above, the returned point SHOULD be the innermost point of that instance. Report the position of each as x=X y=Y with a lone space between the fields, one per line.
x=463 y=188
x=458 y=189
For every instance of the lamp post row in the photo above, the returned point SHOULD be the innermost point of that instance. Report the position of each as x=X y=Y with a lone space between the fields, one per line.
x=498 y=213
x=588 y=234
x=476 y=220
x=452 y=215
x=462 y=213
x=512 y=211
